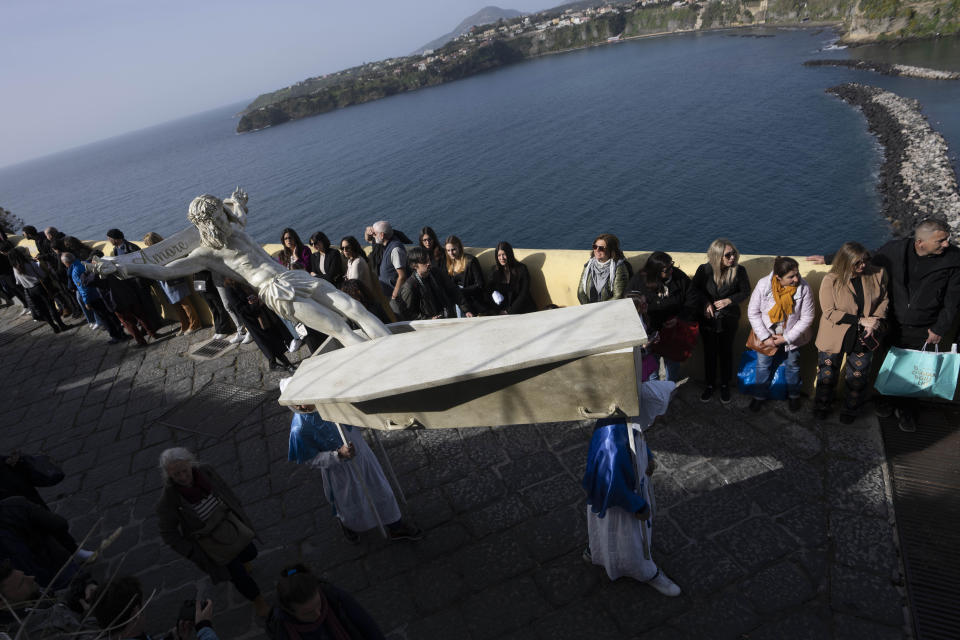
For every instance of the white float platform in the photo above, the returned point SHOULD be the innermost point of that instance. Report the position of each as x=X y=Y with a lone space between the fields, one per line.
x=562 y=364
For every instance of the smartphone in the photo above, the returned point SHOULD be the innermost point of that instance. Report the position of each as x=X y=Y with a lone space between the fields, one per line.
x=188 y=610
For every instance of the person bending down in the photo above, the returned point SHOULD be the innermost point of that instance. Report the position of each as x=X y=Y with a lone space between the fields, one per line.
x=345 y=469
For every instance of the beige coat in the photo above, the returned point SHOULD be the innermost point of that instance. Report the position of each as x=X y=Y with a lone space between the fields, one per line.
x=834 y=305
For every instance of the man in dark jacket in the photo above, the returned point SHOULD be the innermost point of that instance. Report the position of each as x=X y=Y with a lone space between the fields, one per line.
x=924 y=275
x=429 y=293
x=924 y=288
x=121 y=247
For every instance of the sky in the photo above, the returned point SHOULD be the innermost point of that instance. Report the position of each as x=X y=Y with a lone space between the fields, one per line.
x=78 y=71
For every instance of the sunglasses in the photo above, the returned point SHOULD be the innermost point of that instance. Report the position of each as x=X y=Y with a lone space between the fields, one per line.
x=600 y=247
x=730 y=254
x=345 y=247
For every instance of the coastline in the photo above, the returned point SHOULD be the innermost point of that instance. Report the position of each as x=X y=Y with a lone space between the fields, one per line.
x=294 y=108
x=917 y=179
x=887 y=69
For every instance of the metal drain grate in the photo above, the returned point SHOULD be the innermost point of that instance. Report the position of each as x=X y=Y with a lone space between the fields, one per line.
x=215 y=410
x=211 y=349
x=926 y=495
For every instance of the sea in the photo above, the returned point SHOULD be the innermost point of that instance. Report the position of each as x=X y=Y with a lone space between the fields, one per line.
x=667 y=142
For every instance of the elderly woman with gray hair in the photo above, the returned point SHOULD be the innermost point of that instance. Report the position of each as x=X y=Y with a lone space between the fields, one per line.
x=202 y=520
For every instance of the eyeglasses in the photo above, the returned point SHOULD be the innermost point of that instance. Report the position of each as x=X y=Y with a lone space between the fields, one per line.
x=730 y=254
x=600 y=247
x=345 y=247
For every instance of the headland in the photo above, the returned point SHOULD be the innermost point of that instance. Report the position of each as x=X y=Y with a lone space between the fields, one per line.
x=506 y=42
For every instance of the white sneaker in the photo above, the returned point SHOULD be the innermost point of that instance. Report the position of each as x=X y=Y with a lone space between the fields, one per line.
x=25 y=311
x=664 y=585
x=94 y=326
x=237 y=338
x=247 y=338
x=295 y=345
x=219 y=336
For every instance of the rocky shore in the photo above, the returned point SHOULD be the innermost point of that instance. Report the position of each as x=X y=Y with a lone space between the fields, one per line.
x=887 y=69
x=917 y=179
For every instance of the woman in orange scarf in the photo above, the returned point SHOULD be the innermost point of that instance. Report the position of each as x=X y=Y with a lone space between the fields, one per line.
x=781 y=314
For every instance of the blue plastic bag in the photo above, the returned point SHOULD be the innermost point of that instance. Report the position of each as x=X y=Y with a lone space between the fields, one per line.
x=913 y=373
x=747 y=376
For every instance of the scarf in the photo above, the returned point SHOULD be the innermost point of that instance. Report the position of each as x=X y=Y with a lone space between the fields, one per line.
x=599 y=273
x=328 y=619
x=199 y=490
x=782 y=301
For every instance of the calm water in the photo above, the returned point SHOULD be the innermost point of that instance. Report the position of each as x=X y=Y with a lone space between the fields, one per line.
x=666 y=142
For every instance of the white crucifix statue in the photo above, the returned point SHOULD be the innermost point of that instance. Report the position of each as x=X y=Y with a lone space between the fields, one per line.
x=220 y=244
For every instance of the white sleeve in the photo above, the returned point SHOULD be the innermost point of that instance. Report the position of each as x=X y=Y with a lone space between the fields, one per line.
x=395 y=259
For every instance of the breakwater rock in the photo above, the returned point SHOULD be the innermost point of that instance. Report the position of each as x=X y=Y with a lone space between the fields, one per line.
x=887 y=69
x=917 y=179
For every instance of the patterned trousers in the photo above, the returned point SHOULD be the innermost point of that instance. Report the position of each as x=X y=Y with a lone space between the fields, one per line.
x=857 y=378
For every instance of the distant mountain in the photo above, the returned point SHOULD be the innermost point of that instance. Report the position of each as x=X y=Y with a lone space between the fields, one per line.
x=486 y=15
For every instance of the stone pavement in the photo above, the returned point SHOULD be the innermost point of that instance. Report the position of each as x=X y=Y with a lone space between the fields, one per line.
x=775 y=526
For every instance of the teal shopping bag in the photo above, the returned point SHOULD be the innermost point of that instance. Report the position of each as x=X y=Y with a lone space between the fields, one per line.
x=920 y=373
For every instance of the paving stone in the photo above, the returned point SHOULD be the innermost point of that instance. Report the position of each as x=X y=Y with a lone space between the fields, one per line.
x=815 y=563
x=860 y=444
x=804 y=442
x=442 y=540
x=776 y=588
x=429 y=508
x=561 y=490
x=440 y=444
x=755 y=542
x=501 y=515
x=407 y=456
x=503 y=608
x=439 y=584
x=807 y=523
x=388 y=561
x=440 y=472
x=865 y=595
x=389 y=602
x=857 y=487
x=723 y=617
x=530 y=470
x=578 y=621
x=709 y=513
x=560 y=436
x=566 y=578
x=668 y=539
x=554 y=534
x=699 y=478
x=501 y=556
x=475 y=490
x=701 y=568
x=776 y=496
x=521 y=440
x=349 y=576
x=636 y=607
x=448 y=623
x=801 y=625
x=863 y=543
x=847 y=627
x=574 y=461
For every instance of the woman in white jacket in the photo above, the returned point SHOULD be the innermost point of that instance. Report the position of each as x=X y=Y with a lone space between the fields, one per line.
x=781 y=314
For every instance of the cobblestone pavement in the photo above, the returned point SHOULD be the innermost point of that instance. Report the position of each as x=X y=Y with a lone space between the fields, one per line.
x=774 y=525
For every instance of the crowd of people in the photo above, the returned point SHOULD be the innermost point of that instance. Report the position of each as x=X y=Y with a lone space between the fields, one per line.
x=906 y=294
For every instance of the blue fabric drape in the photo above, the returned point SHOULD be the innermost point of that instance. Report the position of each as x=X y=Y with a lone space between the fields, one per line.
x=610 y=479
x=310 y=434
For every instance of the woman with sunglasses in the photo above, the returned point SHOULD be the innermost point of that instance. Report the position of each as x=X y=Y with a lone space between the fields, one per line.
x=294 y=254
x=606 y=273
x=431 y=244
x=722 y=284
x=325 y=263
x=670 y=299
x=464 y=269
x=853 y=303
